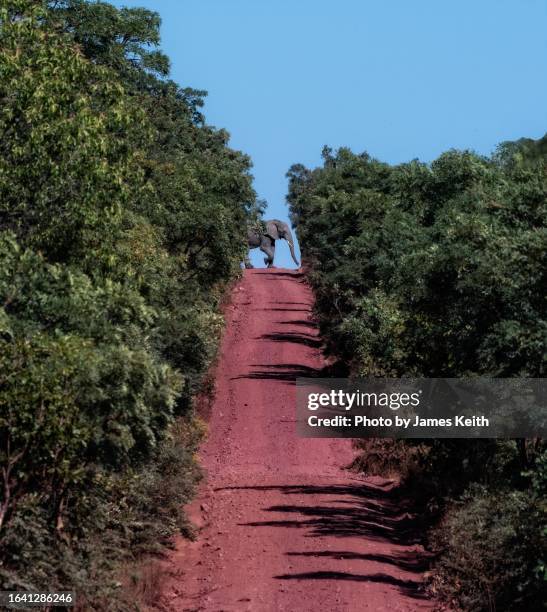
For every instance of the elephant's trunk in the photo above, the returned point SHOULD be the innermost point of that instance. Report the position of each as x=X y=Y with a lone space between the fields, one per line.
x=291 y=247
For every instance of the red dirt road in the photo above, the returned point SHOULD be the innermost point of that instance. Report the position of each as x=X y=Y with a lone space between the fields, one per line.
x=283 y=526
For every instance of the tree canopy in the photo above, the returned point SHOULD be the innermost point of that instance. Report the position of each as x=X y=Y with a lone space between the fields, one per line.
x=122 y=220
x=439 y=270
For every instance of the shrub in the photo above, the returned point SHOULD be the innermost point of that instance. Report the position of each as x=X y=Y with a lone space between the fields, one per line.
x=490 y=544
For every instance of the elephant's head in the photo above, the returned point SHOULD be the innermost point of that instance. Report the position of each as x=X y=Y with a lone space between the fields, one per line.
x=280 y=230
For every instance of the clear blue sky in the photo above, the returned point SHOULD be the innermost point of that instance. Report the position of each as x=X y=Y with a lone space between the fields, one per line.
x=398 y=78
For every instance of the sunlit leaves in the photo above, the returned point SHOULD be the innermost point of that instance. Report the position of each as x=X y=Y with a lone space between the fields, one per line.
x=122 y=219
x=427 y=270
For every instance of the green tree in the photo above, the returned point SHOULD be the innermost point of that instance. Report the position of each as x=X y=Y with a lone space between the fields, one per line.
x=66 y=170
x=438 y=270
x=122 y=220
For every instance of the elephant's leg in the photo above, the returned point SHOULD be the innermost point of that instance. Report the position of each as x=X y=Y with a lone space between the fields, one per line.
x=247 y=262
x=268 y=247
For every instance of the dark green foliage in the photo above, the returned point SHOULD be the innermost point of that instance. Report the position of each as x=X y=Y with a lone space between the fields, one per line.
x=111 y=520
x=122 y=220
x=491 y=542
x=427 y=270
x=439 y=270
x=66 y=167
x=111 y=36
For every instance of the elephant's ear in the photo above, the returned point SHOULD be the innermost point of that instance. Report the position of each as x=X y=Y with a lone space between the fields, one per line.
x=271 y=230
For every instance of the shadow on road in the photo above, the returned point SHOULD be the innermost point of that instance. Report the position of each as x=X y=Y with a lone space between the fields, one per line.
x=407 y=561
x=299 y=276
x=291 y=303
x=282 y=309
x=411 y=588
x=302 y=322
x=294 y=337
x=378 y=513
x=287 y=372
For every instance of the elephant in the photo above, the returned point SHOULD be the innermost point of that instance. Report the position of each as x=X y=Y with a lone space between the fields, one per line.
x=265 y=241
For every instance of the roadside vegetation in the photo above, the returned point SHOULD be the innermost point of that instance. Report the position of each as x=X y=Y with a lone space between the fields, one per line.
x=439 y=270
x=122 y=220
